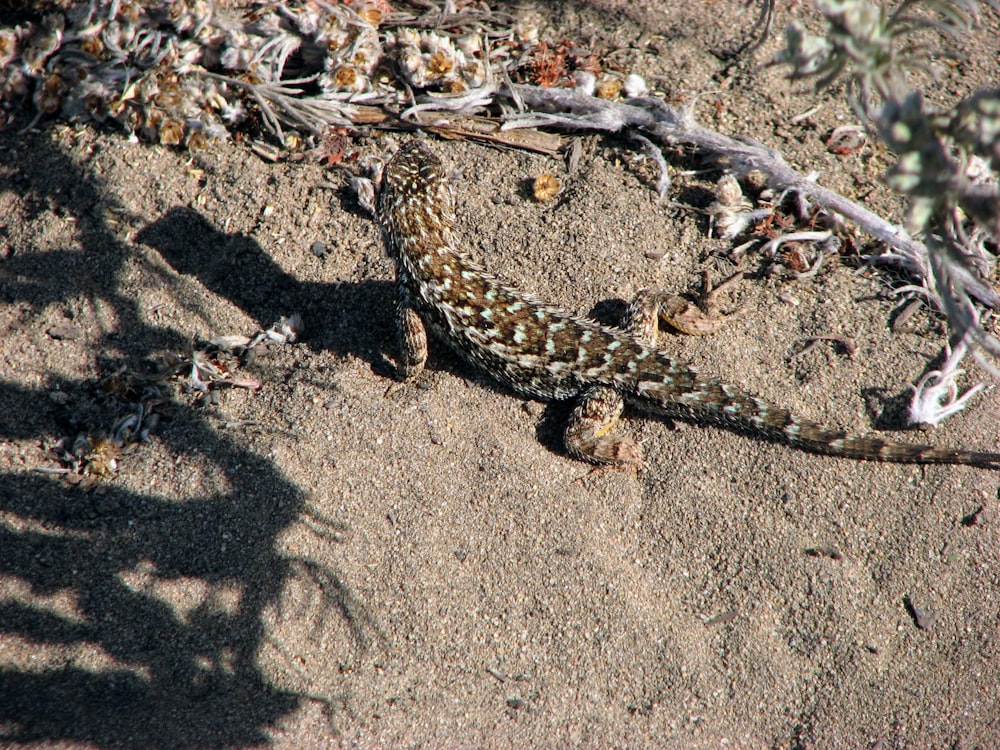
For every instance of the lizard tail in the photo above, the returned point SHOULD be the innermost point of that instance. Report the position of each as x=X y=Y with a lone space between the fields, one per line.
x=708 y=401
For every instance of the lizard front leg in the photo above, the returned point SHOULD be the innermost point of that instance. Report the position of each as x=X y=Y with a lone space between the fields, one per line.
x=588 y=435
x=651 y=306
x=411 y=335
x=642 y=319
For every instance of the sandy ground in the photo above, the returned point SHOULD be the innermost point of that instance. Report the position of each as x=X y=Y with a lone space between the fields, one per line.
x=338 y=561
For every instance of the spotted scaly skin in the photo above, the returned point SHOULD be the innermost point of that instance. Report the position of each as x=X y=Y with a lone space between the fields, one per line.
x=543 y=352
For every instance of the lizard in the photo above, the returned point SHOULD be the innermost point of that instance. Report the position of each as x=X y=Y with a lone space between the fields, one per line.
x=541 y=351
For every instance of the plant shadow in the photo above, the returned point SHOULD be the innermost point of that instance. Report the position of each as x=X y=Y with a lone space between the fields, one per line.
x=135 y=670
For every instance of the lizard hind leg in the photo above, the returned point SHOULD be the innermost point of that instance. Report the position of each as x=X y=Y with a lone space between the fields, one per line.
x=589 y=435
x=412 y=339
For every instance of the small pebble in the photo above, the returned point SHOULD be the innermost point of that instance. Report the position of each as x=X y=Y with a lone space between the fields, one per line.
x=923 y=618
x=832 y=552
x=65 y=332
x=979 y=517
x=724 y=618
x=533 y=408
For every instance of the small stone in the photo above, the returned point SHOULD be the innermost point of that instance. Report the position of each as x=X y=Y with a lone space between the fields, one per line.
x=533 y=408
x=65 y=332
x=980 y=517
x=923 y=618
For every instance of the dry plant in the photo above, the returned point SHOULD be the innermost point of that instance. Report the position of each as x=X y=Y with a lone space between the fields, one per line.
x=946 y=162
x=186 y=72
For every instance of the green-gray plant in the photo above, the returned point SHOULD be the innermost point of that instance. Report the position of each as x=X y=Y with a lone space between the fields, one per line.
x=946 y=161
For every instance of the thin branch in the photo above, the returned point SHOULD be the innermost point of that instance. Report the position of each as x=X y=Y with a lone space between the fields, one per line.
x=661 y=122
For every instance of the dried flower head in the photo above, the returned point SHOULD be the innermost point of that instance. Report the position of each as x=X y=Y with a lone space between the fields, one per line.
x=171 y=132
x=101 y=458
x=149 y=65
x=371 y=15
x=49 y=97
x=608 y=87
x=635 y=86
x=729 y=193
x=546 y=187
x=585 y=82
x=8 y=46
